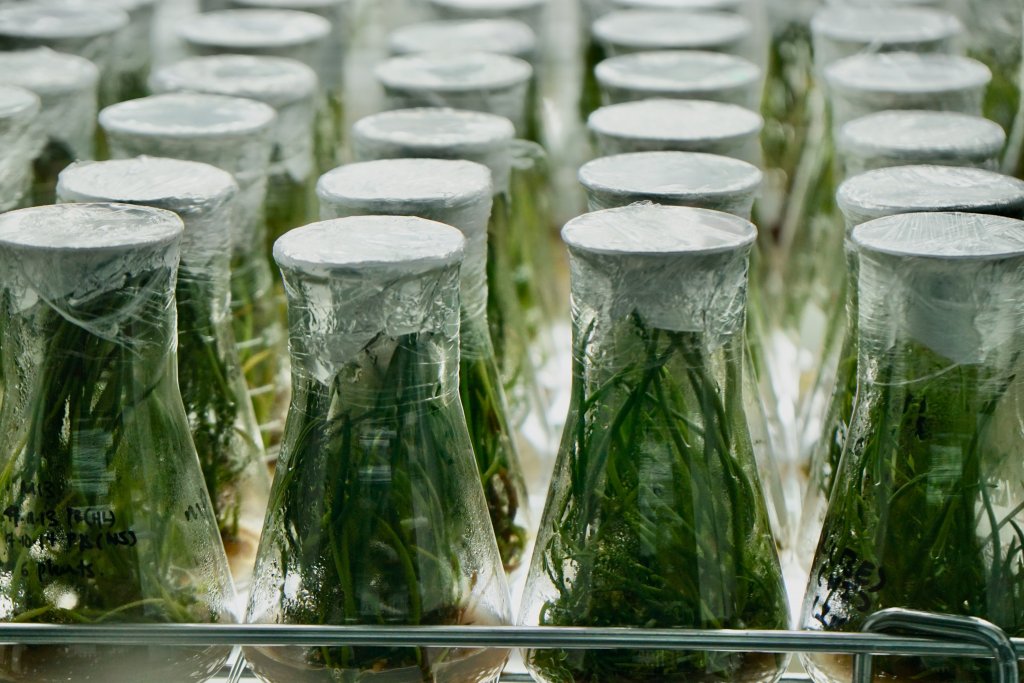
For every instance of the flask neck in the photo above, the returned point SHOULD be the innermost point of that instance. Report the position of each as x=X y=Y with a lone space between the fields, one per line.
x=389 y=340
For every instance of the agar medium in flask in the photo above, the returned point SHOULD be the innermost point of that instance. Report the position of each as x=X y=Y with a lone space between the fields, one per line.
x=104 y=507
x=377 y=515
x=656 y=517
x=925 y=512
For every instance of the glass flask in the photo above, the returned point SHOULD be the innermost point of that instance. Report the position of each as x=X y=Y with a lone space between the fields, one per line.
x=290 y=87
x=133 y=54
x=512 y=311
x=473 y=81
x=655 y=517
x=868 y=83
x=377 y=515
x=105 y=512
x=67 y=89
x=530 y=12
x=926 y=509
x=20 y=140
x=874 y=195
x=807 y=271
x=501 y=36
x=78 y=27
x=677 y=126
x=341 y=14
x=594 y=51
x=680 y=75
x=632 y=31
x=706 y=181
x=907 y=138
x=457 y=193
x=217 y=404
x=235 y=135
x=280 y=33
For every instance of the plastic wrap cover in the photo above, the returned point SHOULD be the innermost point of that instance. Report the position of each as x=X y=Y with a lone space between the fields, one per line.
x=680 y=269
x=896 y=138
x=285 y=84
x=628 y=31
x=67 y=253
x=677 y=125
x=438 y=133
x=203 y=197
x=911 y=189
x=231 y=133
x=681 y=74
x=475 y=81
x=867 y=83
x=340 y=13
x=844 y=31
x=349 y=280
x=78 y=27
x=684 y=5
x=953 y=282
x=530 y=12
x=453 y=192
x=67 y=86
x=135 y=49
x=503 y=36
x=21 y=139
x=705 y=181
x=275 y=33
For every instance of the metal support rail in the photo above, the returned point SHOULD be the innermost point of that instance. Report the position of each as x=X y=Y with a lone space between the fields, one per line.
x=942 y=636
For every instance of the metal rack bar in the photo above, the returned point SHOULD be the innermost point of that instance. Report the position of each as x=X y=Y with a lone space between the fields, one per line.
x=494 y=636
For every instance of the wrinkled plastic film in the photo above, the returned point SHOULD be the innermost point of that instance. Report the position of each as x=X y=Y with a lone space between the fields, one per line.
x=677 y=125
x=903 y=138
x=864 y=84
x=243 y=150
x=967 y=278
x=840 y=32
x=335 y=311
x=625 y=32
x=279 y=33
x=21 y=139
x=438 y=133
x=907 y=189
x=67 y=87
x=502 y=36
x=680 y=178
x=96 y=268
x=205 y=243
x=490 y=83
x=681 y=74
x=530 y=12
x=682 y=282
x=467 y=210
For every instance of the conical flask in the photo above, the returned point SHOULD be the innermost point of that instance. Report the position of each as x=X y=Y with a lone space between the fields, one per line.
x=706 y=181
x=457 y=193
x=233 y=134
x=655 y=517
x=291 y=88
x=487 y=139
x=217 y=403
x=376 y=515
x=105 y=512
x=926 y=510
x=66 y=86
x=871 y=195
